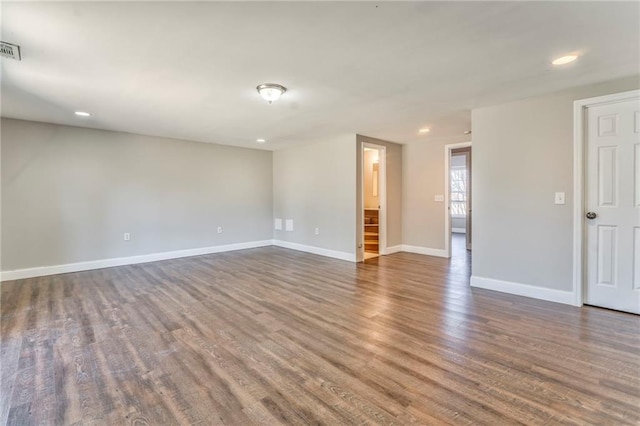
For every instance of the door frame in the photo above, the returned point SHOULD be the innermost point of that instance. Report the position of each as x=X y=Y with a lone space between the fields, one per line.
x=579 y=197
x=382 y=194
x=447 y=193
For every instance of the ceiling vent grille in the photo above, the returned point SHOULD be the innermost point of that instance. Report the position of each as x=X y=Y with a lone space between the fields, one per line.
x=9 y=50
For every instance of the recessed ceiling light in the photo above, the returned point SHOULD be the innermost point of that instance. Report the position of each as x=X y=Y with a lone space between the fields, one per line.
x=270 y=91
x=563 y=60
x=83 y=114
x=261 y=140
x=425 y=130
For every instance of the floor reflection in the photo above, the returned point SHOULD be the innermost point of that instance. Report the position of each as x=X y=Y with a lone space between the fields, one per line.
x=460 y=256
x=389 y=308
x=456 y=297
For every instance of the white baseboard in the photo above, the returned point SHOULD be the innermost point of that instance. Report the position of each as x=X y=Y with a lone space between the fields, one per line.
x=542 y=293
x=351 y=257
x=459 y=230
x=121 y=261
x=424 y=250
x=394 y=249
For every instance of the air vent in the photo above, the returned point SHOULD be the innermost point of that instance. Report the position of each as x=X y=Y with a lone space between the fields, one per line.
x=9 y=50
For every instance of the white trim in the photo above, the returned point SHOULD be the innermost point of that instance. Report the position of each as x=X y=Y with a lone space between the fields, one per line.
x=394 y=249
x=459 y=230
x=351 y=257
x=424 y=250
x=131 y=260
x=579 y=199
x=526 y=290
x=447 y=195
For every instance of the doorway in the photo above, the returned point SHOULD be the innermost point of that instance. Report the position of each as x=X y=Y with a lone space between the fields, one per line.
x=459 y=196
x=373 y=200
x=458 y=223
x=608 y=177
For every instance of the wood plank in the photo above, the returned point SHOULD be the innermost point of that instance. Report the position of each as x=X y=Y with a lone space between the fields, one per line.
x=274 y=336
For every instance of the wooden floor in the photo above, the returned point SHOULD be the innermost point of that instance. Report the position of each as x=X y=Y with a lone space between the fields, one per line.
x=271 y=336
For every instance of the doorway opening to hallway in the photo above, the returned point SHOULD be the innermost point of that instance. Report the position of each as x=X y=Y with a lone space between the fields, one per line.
x=458 y=207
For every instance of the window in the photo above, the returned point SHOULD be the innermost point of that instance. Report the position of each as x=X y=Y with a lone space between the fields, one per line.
x=458 y=192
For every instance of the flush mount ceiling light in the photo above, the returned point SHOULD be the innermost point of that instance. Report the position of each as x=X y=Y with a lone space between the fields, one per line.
x=271 y=92
x=425 y=130
x=563 y=60
x=82 y=114
x=261 y=140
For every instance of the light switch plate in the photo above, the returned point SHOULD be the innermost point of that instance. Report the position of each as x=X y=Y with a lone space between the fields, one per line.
x=438 y=197
x=289 y=225
x=559 y=198
x=277 y=224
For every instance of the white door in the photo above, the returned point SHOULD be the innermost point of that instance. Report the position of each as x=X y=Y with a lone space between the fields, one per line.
x=613 y=197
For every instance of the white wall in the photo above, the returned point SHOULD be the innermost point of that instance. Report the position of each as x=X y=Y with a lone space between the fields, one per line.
x=459 y=161
x=423 y=218
x=459 y=225
x=370 y=164
x=69 y=194
x=315 y=185
x=520 y=235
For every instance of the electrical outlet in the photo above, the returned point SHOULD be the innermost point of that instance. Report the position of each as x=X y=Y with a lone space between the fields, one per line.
x=288 y=225
x=127 y=236
x=317 y=231
x=220 y=229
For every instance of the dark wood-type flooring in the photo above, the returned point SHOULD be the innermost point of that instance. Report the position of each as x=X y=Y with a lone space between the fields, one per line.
x=273 y=336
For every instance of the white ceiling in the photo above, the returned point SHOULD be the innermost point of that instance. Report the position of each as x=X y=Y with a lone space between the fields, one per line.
x=189 y=70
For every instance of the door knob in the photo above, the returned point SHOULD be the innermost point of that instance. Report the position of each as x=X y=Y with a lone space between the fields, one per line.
x=591 y=215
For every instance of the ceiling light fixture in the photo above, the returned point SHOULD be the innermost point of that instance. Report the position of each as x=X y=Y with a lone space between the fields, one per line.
x=270 y=91
x=261 y=140
x=82 y=114
x=563 y=60
x=425 y=130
